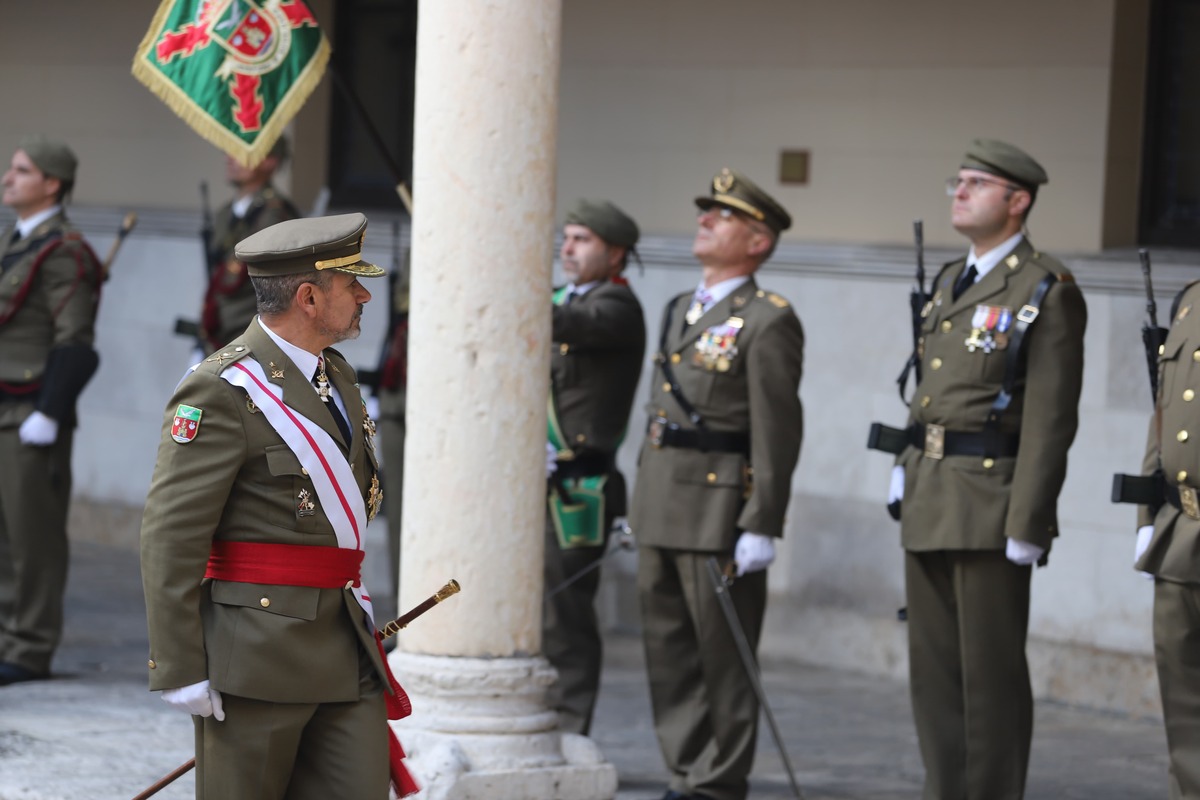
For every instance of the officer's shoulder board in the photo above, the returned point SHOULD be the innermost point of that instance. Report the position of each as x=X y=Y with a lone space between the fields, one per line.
x=215 y=363
x=1047 y=263
x=774 y=299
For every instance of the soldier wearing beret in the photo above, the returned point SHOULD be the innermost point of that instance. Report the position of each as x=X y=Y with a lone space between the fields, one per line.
x=229 y=302
x=714 y=479
x=1001 y=355
x=599 y=339
x=1167 y=541
x=49 y=290
x=253 y=533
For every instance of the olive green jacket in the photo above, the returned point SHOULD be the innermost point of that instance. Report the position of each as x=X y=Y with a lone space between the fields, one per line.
x=1173 y=549
x=229 y=301
x=238 y=480
x=701 y=501
x=56 y=307
x=961 y=502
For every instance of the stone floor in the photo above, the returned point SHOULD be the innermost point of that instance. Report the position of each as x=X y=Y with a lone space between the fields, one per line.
x=94 y=731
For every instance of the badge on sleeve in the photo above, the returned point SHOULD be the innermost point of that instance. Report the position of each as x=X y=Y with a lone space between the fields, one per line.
x=186 y=424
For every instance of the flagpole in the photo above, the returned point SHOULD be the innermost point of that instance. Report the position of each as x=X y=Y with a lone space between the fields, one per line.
x=352 y=97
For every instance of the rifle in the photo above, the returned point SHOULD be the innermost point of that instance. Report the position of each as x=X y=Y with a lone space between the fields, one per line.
x=1153 y=336
x=1146 y=490
x=917 y=299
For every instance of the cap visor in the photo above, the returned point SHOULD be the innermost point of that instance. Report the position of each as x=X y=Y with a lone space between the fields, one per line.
x=362 y=269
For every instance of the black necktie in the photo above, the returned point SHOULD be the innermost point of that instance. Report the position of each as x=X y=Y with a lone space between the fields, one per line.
x=323 y=389
x=16 y=237
x=965 y=280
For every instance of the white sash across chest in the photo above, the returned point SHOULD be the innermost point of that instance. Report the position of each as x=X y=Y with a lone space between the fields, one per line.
x=327 y=468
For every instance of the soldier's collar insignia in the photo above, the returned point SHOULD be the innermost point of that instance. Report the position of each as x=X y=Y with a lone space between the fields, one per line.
x=276 y=372
x=1012 y=261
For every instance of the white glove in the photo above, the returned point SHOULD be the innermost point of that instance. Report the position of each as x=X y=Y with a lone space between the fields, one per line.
x=1144 y=535
x=551 y=459
x=1022 y=553
x=753 y=552
x=895 y=492
x=38 y=430
x=199 y=699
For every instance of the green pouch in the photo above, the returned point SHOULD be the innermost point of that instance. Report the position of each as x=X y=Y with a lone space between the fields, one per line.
x=581 y=522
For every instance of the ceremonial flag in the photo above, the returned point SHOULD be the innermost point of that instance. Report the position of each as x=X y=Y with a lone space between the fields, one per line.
x=237 y=71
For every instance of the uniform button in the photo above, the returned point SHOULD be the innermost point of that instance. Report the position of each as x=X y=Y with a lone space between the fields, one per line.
x=238 y=349
x=988 y=463
x=1196 y=355
x=666 y=387
x=946 y=326
x=662 y=412
x=925 y=401
x=1182 y=436
x=152 y=664
x=303 y=470
x=712 y=477
x=676 y=358
x=1181 y=476
x=935 y=364
x=1188 y=395
x=1162 y=348
x=28 y=374
x=580 y=438
x=351 y=465
x=349 y=585
x=265 y=602
x=563 y=349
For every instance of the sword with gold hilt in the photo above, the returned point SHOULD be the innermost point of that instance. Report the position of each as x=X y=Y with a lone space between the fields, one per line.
x=398 y=624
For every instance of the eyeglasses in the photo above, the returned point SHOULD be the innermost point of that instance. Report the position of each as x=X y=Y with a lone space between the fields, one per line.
x=724 y=212
x=974 y=184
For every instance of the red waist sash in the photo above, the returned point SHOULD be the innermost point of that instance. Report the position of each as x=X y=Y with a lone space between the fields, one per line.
x=284 y=564
x=319 y=567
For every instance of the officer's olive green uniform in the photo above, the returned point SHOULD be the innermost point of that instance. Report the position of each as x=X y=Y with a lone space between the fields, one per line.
x=299 y=671
x=968 y=606
x=1171 y=555
x=690 y=504
x=49 y=291
x=229 y=302
x=599 y=342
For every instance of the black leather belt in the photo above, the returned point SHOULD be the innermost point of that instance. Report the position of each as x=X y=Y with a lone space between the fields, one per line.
x=584 y=465
x=661 y=433
x=18 y=392
x=936 y=442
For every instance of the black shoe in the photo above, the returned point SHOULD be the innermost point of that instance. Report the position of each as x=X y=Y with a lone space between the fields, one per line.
x=15 y=673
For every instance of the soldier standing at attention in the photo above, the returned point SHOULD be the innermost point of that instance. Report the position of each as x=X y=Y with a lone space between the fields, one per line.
x=1001 y=354
x=252 y=540
x=229 y=303
x=599 y=339
x=49 y=292
x=714 y=479
x=1167 y=541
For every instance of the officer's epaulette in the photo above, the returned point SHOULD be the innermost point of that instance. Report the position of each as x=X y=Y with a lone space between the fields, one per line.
x=216 y=363
x=1179 y=299
x=1046 y=262
x=776 y=300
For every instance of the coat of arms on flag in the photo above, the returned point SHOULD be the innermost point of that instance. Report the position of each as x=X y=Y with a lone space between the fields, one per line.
x=237 y=71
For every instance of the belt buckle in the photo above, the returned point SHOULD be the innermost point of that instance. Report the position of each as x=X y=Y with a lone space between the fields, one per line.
x=935 y=441
x=1188 y=502
x=654 y=434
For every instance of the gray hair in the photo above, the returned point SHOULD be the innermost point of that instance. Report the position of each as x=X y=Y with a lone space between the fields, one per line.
x=276 y=293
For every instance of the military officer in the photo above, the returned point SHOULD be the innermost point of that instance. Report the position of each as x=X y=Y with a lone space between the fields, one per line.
x=253 y=533
x=229 y=302
x=49 y=290
x=1167 y=541
x=714 y=479
x=991 y=420
x=599 y=339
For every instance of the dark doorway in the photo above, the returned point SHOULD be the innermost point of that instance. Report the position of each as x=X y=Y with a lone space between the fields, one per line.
x=375 y=54
x=1171 y=163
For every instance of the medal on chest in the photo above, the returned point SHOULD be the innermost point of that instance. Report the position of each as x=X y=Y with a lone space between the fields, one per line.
x=989 y=328
x=717 y=346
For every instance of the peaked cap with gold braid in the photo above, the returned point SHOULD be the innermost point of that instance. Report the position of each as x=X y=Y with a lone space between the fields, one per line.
x=734 y=190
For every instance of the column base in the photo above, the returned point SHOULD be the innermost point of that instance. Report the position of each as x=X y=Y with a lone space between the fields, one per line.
x=480 y=730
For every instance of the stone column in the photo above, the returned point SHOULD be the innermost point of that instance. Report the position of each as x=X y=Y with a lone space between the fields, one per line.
x=474 y=493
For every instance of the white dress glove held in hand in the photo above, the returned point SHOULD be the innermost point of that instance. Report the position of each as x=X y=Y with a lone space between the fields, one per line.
x=1022 y=553
x=753 y=552
x=199 y=699
x=551 y=459
x=38 y=430
x=1144 y=535
x=895 y=492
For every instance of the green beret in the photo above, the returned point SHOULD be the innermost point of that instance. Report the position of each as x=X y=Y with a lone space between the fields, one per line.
x=734 y=190
x=605 y=220
x=308 y=245
x=52 y=157
x=1005 y=160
